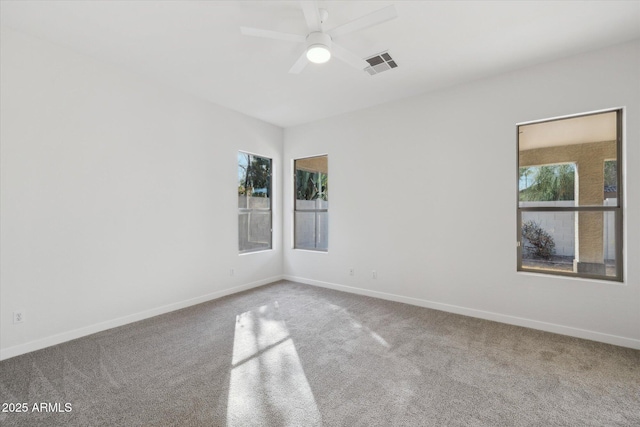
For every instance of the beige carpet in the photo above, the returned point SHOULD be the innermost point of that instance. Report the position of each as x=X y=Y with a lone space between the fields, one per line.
x=293 y=355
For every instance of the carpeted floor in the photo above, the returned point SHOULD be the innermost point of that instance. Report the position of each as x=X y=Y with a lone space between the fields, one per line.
x=291 y=354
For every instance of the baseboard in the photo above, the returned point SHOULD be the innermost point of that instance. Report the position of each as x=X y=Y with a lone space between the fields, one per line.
x=503 y=318
x=102 y=326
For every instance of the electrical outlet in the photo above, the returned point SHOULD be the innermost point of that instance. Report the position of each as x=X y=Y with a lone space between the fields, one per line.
x=18 y=316
x=352 y=272
x=374 y=274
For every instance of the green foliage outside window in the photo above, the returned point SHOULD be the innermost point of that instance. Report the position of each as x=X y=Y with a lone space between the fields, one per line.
x=254 y=175
x=610 y=173
x=311 y=185
x=547 y=183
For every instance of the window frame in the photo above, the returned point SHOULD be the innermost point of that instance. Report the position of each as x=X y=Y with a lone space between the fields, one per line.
x=263 y=210
x=617 y=210
x=316 y=211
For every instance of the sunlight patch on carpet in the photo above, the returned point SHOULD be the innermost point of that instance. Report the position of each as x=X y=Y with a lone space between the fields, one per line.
x=268 y=383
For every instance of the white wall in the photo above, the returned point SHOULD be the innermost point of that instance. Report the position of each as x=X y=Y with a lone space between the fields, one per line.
x=452 y=154
x=118 y=197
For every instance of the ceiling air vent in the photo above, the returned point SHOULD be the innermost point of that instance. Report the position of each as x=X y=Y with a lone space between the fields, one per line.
x=379 y=63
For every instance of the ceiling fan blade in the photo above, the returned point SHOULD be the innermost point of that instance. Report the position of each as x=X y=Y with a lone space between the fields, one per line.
x=348 y=57
x=300 y=63
x=256 y=32
x=311 y=14
x=374 y=18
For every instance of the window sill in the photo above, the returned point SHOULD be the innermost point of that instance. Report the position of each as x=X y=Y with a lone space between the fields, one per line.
x=255 y=252
x=310 y=251
x=612 y=281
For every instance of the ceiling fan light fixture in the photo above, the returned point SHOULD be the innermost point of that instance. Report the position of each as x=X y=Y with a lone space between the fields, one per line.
x=318 y=53
x=318 y=47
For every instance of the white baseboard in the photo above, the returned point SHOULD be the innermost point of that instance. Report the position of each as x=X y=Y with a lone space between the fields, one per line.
x=503 y=318
x=102 y=326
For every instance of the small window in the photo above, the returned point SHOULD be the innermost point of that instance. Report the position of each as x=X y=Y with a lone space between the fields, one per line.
x=311 y=209
x=254 y=203
x=569 y=198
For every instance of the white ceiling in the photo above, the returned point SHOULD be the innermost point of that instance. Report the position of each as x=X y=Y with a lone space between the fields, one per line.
x=197 y=46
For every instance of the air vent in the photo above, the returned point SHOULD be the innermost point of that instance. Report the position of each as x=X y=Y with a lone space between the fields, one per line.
x=379 y=63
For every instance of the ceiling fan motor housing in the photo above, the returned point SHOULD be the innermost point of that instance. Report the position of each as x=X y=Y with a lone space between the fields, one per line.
x=318 y=38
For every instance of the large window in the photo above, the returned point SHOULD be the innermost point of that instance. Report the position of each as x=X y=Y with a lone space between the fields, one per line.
x=254 y=202
x=570 y=196
x=311 y=216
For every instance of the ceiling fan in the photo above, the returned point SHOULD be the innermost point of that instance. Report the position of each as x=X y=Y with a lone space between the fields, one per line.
x=319 y=44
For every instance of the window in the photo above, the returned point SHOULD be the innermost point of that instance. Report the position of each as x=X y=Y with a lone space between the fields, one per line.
x=311 y=216
x=254 y=203
x=569 y=196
